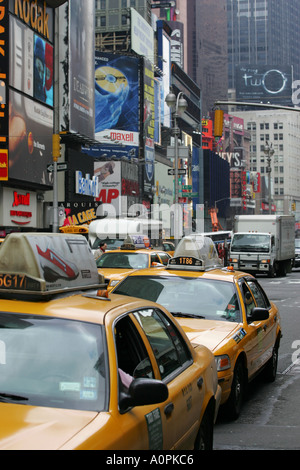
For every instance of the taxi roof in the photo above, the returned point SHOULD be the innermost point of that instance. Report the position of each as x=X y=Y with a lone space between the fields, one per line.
x=195 y=255
x=40 y=264
x=87 y=307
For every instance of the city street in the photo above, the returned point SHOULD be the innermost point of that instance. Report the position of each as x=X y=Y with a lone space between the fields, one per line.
x=270 y=418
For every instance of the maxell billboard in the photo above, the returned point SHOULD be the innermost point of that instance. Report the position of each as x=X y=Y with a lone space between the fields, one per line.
x=116 y=99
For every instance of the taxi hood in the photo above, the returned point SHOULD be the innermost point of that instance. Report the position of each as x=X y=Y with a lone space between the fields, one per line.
x=208 y=333
x=36 y=428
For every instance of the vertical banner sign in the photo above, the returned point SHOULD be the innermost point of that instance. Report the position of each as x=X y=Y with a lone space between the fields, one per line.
x=81 y=64
x=148 y=121
x=4 y=112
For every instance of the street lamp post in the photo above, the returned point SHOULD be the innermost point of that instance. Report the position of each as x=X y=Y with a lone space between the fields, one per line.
x=180 y=105
x=269 y=151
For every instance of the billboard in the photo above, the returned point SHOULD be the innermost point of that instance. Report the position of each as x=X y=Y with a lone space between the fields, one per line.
x=117 y=101
x=109 y=180
x=81 y=59
x=142 y=36
x=30 y=139
x=4 y=115
x=30 y=96
x=264 y=83
x=148 y=121
x=75 y=56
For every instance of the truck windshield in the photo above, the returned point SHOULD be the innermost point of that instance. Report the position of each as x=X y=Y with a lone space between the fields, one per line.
x=250 y=242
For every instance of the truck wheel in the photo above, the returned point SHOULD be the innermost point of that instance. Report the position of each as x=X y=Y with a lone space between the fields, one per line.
x=271 y=272
x=282 y=269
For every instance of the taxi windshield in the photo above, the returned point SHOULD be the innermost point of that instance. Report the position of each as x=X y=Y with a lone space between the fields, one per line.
x=200 y=298
x=124 y=260
x=52 y=363
x=112 y=243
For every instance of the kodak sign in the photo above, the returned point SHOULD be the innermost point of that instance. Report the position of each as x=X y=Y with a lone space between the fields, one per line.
x=34 y=14
x=3 y=165
x=4 y=67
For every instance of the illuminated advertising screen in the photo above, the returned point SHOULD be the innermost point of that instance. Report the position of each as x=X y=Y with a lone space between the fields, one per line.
x=30 y=139
x=117 y=99
x=31 y=84
x=31 y=62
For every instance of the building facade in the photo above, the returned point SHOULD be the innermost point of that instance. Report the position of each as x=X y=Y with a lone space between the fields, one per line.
x=282 y=131
x=264 y=33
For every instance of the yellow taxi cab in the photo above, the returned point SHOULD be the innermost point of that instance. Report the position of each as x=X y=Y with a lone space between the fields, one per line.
x=134 y=253
x=226 y=310
x=79 y=370
x=169 y=247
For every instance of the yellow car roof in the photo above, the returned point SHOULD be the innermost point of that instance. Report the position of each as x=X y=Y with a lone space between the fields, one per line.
x=88 y=307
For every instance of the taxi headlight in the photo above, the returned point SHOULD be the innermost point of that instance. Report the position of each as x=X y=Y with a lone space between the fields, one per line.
x=222 y=362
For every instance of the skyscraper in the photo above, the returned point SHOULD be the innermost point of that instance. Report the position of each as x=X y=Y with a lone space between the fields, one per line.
x=205 y=46
x=265 y=32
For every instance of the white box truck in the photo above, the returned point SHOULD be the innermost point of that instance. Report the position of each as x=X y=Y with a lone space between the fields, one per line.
x=263 y=244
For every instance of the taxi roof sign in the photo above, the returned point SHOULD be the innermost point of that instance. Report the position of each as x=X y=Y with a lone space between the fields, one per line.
x=47 y=263
x=195 y=252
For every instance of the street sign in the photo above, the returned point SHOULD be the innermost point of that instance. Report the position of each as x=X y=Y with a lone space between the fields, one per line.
x=181 y=171
x=183 y=151
x=187 y=187
x=60 y=167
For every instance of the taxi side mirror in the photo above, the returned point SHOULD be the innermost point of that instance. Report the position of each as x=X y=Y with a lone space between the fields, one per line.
x=258 y=314
x=143 y=392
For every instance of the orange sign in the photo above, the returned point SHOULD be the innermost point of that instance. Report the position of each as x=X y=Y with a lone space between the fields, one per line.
x=3 y=165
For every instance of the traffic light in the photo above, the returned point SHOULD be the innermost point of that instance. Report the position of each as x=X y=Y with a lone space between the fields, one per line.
x=293 y=206
x=218 y=124
x=56 y=147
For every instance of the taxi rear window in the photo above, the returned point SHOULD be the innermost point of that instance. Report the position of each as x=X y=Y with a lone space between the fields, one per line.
x=52 y=362
x=123 y=260
x=204 y=298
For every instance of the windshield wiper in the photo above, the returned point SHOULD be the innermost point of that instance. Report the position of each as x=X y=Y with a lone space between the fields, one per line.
x=191 y=315
x=11 y=397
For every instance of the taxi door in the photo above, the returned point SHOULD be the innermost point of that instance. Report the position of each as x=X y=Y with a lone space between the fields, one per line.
x=267 y=327
x=181 y=413
x=259 y=333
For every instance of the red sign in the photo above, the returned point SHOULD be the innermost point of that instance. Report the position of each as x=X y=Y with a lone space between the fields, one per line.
x=3 y=165
x=21 y=200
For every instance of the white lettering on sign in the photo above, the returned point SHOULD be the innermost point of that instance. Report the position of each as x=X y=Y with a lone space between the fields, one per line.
x=86 y=186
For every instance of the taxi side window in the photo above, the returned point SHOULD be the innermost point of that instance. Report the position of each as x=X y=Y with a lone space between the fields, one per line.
x=248 y=298
x=167 y=344
x=155 y=258
x=164 y=258
x=258 y=294
x=132 y=356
